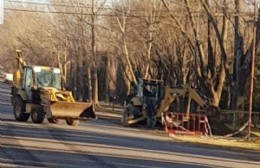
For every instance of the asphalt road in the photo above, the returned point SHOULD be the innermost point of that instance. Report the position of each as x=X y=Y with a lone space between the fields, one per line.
x=102 y=143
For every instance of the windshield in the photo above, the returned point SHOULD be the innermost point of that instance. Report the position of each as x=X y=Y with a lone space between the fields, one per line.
x=48 y=79
x=150 y=89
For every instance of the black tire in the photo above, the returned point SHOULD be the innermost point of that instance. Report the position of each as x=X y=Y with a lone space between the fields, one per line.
x=37 y=116
x=53 y=120
x=19 y=111
x=72 y=122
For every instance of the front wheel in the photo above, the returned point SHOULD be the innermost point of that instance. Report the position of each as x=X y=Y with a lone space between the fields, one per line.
x=19 y=111
x=72 y=122
x=37 y=116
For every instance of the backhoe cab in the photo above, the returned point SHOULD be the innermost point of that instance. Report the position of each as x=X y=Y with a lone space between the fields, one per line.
x=37 y=92
x=145 y=91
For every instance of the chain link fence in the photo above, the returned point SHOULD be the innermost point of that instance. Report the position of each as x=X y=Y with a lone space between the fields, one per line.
x=237 y=118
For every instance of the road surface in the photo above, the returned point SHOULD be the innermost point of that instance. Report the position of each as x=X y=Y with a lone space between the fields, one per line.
x=101 y=143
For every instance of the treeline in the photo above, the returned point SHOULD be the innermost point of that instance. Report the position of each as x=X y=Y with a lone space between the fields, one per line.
x=104 y=46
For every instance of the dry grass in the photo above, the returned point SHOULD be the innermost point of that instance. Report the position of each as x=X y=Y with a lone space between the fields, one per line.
x=234 y=143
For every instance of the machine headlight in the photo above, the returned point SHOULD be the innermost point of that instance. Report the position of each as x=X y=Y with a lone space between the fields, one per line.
x=56 y=70
x=37 y=69
x=174 y=94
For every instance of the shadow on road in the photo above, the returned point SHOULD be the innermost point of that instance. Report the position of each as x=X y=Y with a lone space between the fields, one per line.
x=70 y=159
x=111 y=140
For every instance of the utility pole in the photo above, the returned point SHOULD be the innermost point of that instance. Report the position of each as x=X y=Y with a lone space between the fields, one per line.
x=196 y=49
x=197 y=46
x=94 y=56
x=251 y=86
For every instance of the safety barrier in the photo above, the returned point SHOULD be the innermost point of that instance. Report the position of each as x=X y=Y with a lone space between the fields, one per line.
x=179 y=123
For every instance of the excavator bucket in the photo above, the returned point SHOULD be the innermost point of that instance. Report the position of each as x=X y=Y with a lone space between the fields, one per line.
x=74 y=110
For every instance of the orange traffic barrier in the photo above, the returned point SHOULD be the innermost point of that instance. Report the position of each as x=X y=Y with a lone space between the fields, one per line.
x=180 y=123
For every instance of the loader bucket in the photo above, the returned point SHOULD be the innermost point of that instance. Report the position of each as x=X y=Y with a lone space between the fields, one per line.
x=72 y=110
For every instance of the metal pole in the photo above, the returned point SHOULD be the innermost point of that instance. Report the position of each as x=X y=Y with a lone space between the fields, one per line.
x=234 y=120
x=113 y=103
x=251 y=87
x=197 y=48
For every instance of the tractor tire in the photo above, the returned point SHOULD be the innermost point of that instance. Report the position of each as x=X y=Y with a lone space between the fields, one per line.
x=37 y=116
x=72 y=122
x=19 y=111
x=53 y=120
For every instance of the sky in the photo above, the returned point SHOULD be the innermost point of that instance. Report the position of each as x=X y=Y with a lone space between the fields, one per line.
x=1 y=12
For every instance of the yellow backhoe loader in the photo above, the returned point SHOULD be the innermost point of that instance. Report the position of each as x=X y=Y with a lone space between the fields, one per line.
x=146 y=90
x=162 y=96
x=37 y=92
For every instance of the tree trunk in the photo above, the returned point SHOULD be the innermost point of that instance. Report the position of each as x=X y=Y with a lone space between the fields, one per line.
x=94 y=56
x=130 y=72
x=127 y=81
x=218 y=91
x=111 y=75
x=95 y=88
x=149 y=47
x=79 y=75
x=238 y=53
x=90 y=97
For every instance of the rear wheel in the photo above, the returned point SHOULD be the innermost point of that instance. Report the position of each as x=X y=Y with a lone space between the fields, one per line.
x=71 y=121
x=53 y=120
x=37 y=116
x=19 y=111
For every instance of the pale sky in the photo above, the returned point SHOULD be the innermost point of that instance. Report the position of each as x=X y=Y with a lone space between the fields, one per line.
x=1 y=12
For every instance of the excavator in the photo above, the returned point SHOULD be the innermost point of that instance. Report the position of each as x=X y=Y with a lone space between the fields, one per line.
x=163 y=96
x=145 y=91
x=37 y=92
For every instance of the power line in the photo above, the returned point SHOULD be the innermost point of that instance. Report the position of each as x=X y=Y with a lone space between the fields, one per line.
x=66 y=5
x=53 y=5
x=71 y=13
x=54 y=12
x=231 y=13
x=62 y=12
x=106 y=15
x=74 y=6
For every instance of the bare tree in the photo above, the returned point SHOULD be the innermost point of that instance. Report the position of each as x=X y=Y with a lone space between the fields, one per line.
x=122 y=14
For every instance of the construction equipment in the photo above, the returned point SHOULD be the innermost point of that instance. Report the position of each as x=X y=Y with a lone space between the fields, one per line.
x=171 y=94
x=164 y=96
x=146 y=90
x=204 y=120
x=37 y=92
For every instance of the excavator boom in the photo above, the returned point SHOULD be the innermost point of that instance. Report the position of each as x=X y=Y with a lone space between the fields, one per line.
x=171 y=94
x=18 y=69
